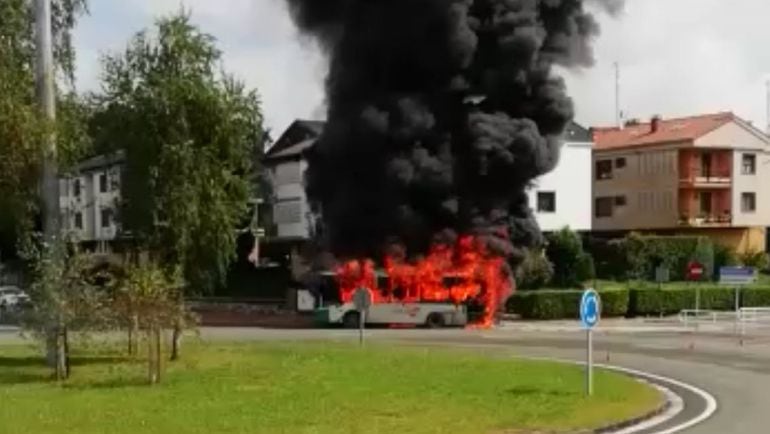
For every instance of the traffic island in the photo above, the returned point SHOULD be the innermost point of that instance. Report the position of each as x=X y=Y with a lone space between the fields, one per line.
x=316 y=387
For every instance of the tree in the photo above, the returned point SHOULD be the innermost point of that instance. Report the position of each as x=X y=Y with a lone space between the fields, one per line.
x=63 y=298
x=21 y=126
x=572 y=266
x=189 y=132
x=147 y=300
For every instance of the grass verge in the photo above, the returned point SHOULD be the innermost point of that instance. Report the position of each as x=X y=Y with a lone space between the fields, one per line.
x=312 y=388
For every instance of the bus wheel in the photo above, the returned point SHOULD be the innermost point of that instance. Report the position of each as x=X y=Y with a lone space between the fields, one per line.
x=434 y=321
x=351 y=320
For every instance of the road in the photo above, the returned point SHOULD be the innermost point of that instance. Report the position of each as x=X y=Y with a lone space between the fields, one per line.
x=738 y=376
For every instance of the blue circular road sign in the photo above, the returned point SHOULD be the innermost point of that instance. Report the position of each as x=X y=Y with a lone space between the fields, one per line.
x=590 y=308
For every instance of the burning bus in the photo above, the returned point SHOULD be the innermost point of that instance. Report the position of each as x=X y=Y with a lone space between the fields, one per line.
x=453 y=286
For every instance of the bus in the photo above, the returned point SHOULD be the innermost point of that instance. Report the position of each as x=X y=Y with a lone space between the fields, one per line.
x=432 y=314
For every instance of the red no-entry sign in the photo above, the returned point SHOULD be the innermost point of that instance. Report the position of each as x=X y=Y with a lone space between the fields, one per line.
x=694 y=271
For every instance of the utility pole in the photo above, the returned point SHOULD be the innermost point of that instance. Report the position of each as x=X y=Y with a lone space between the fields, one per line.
x=49 y=183
x=45 y=76
x=618 y=119
x=767 y=108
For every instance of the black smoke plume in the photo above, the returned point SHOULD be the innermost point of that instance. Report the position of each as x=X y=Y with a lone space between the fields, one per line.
x=440 y=115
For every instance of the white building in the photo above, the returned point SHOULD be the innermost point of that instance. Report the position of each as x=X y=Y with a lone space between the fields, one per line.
x=563 y=196
x=88 y=200
x=559 y=198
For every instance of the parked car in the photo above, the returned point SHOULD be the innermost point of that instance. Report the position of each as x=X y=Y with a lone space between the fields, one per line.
x=12 y=298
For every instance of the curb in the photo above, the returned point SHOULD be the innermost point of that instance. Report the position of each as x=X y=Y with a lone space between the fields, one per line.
x=628 y=427
x=638 y=421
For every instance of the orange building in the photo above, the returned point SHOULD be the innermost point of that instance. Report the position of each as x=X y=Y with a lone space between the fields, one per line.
x=707 y=174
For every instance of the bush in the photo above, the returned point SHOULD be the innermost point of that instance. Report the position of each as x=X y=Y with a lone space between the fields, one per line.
x=755 y=297
x=535 y=271
x=570 y=266
x=564 y=304
x=723 y=257
x=645 y=253
x=755 y=259
x=704 y=254
x=609 y=257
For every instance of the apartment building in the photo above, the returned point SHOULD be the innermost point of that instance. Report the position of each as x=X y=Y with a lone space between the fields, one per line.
x=559 y=198
x=704 y=174
x=562 y=197
x=88 y=200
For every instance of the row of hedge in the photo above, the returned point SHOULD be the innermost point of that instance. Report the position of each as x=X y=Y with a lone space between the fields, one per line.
x=638 y=301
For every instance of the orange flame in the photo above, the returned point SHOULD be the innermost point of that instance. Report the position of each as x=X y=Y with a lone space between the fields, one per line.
x=462 y=273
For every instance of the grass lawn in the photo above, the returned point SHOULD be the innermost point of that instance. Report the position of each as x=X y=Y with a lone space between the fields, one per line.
x=311 y=388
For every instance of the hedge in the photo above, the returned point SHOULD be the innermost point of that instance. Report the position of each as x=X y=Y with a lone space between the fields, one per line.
x=564 y=304
x=653 y=301
x=641 y=300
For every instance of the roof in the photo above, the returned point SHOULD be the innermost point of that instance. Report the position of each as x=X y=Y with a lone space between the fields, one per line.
x=99 y=162
x=577 y=133
x=299 y=131
x=685 y=129
x=293 y=150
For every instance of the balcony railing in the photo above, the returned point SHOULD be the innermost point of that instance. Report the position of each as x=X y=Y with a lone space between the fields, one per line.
x=700 y=176
x=705 y=220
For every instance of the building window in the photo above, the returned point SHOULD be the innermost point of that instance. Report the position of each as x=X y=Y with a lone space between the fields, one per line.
x=748 y=202
x=749 y=166
x=620 y=162
x=76 y=188
x=603 y=207
x=106 y=217
x=103 y=183
x=288 y=173
x=78 y=220
x=288 y=211
x=620 y=201
x=604 y=169
x=546 y=201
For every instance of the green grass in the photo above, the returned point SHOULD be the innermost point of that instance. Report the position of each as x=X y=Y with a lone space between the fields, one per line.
x=312 y=388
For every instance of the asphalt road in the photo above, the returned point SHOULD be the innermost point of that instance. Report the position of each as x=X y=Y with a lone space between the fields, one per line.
x=737 y=376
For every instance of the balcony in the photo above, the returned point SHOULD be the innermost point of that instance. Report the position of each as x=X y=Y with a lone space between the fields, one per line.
x=705 y=220
x=705 y=169
x=705 y=208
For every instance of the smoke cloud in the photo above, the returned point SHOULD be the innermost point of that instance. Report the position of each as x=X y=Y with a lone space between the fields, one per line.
x=440 y=115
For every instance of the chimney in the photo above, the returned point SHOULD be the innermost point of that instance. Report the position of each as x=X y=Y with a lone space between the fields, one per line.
x=655 y=124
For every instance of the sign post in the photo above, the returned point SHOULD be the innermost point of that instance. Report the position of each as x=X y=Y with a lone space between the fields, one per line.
x=737 y=277
x=362 y=300
x=590 y=311
x=695 y=272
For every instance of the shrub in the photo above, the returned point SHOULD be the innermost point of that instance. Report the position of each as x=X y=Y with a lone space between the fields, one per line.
x=564 y=304
x=653 y=301
x=755 y=297
x=609 y=257
x=704 y=254
x=723 y=257
x=646 y=253
x=570 y=265
x=755 y=259
x=535 y=271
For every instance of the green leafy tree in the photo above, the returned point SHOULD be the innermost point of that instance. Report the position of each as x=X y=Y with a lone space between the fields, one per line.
x=21 y=126
x=64 y=299
x=572 y=266
x=189 y=132
x=147 y=300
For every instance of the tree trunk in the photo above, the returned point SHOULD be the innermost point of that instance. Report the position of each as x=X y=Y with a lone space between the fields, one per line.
x=133 y=336
x=176 y=342
x=152 y=375
x=61 y=354
x=158 y=353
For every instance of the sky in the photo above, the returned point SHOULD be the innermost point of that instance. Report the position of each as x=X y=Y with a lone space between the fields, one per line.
x=676 y=57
